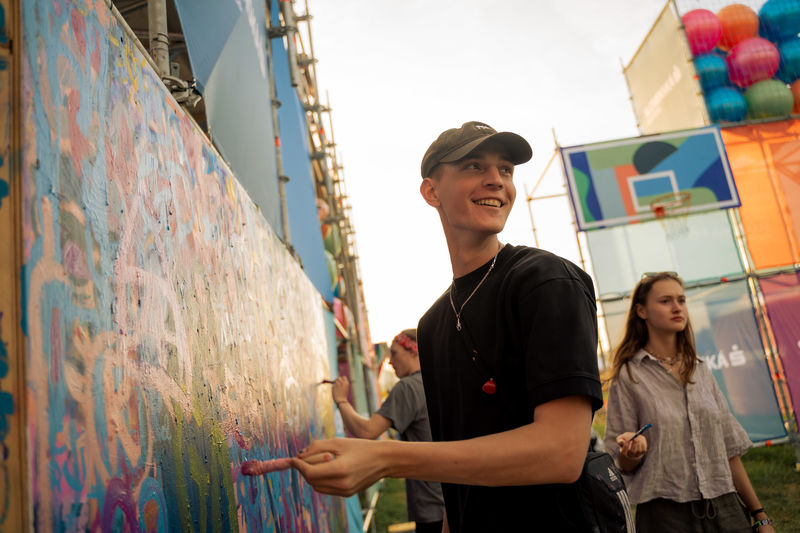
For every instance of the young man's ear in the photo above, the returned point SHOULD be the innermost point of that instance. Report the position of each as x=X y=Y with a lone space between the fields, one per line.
x=428 y=191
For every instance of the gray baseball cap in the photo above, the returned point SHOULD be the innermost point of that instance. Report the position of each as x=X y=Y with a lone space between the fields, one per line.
x=457 y=143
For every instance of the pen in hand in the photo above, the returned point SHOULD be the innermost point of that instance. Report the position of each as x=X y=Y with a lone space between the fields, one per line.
x=642 y=430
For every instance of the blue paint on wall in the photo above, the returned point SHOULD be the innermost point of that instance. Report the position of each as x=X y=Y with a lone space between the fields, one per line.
x=6 y=399
x=6 y=409
x=3 y=34
x=4 y=188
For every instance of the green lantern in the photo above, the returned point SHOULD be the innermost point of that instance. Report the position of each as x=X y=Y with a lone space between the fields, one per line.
x=769 y=98
x=333 y=241
x=332 y=270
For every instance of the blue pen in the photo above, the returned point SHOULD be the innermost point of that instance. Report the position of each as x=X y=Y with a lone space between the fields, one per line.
x=644 y=428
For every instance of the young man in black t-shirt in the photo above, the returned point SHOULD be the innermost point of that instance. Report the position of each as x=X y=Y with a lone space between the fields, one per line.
x=508 y=357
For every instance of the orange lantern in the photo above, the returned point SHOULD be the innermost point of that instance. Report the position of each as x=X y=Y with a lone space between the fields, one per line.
x=739 y=22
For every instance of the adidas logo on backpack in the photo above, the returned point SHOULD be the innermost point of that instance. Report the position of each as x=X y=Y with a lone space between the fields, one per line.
x=603 y=496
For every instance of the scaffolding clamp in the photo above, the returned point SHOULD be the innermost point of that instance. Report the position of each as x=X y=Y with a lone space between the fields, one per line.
x=274 y=32
x=316 y=108
x=184 y=92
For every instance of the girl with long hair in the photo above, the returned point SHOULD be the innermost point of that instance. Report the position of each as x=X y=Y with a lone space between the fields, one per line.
x=685 y=473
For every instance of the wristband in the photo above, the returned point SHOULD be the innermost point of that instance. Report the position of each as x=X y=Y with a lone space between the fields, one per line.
x=754 y=512
x=763 y=522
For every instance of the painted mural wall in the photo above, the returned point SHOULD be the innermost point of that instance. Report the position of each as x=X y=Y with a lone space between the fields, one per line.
x=169 y=334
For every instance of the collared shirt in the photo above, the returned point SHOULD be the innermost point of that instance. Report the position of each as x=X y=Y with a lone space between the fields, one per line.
x=694 y=432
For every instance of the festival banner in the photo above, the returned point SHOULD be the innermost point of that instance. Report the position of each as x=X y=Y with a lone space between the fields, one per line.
x=782 y=298
x=765 y=161
x=665 y=93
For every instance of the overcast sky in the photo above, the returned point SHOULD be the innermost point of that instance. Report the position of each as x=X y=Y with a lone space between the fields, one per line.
x=400 y=72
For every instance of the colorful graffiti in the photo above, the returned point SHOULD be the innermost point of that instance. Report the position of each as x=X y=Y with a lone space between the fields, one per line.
x=170 y=335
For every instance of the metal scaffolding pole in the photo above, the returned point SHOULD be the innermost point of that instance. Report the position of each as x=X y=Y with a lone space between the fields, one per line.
x=159 y=38
x=291 y=47
x=282 y=179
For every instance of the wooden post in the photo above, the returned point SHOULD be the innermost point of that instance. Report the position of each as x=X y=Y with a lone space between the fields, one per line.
x=13 y=479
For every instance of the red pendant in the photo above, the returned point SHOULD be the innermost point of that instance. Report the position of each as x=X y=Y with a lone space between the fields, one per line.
x=489 y=387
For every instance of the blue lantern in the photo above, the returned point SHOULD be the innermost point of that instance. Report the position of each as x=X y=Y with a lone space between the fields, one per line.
x=712 y=71
x=790 y=61
x=779 y=20
x=726 y=104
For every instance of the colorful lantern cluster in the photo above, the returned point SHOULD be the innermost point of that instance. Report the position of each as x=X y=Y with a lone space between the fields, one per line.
x=748 y=63
x=332 y=239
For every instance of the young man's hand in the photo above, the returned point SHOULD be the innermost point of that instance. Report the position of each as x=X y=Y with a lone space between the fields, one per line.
x=341 y=467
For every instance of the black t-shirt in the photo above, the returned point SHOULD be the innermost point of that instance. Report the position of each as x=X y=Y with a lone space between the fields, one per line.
x=533 y=322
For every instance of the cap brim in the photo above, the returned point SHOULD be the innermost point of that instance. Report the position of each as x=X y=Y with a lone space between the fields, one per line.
x=519 y=151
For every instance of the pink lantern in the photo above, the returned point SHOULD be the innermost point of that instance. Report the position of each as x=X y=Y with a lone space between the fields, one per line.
x=703 y=30
x=752 y=60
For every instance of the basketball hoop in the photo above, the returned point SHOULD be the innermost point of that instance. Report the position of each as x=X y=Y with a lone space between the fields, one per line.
x=672 y=211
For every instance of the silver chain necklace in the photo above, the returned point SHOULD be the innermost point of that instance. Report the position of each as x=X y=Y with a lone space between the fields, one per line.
x=458 y=313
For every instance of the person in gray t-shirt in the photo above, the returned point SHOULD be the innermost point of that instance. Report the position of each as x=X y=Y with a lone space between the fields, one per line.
x=404 y=410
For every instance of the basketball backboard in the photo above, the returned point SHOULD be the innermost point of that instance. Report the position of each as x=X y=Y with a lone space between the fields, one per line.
x=616 y=182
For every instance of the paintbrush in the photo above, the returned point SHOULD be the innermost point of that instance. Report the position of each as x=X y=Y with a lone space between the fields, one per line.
x=254 y=467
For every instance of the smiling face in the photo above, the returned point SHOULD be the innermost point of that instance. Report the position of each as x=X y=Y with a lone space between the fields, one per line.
x=404 y=362
x=473 y=195
x=665 y=309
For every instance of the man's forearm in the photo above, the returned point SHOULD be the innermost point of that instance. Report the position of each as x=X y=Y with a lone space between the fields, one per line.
x=551 y=449
x=528 y=455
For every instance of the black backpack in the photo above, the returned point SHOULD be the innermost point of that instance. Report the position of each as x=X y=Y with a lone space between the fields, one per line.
x=603 y=497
